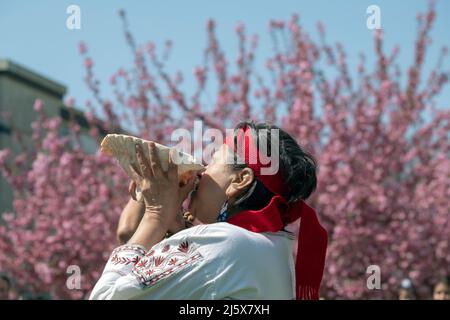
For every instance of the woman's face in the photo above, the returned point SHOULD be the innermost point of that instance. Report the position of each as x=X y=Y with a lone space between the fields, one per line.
x=214 y=187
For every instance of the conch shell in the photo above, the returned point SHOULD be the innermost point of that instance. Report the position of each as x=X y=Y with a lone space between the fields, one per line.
x=122 y=147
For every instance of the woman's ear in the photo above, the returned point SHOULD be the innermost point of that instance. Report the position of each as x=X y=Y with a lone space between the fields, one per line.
x=241 y=180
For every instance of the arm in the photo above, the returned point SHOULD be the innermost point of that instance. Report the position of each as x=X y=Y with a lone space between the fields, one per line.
x=162 y=196
x=172 y=269
x=151 y=229
x=129 y=220
x=132 y=215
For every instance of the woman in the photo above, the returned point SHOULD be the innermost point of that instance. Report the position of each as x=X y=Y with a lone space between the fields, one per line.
x=242 y=249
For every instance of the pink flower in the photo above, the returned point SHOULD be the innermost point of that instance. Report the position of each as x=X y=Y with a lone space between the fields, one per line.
x=65 y=159
x=82 y=49
x=239 y=27
x=4 y=154
x=53 y=123
x=43 y=272
x=38 y=105
x=88 y=63
x=70 y=102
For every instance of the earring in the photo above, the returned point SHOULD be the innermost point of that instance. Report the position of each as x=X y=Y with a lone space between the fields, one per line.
x=223 y=215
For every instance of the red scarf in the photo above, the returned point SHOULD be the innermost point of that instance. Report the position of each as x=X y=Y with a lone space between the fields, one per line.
x=312 y=240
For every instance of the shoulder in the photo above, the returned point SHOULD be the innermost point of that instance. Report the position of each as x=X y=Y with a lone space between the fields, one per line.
x=217 y=233
x=227 y=241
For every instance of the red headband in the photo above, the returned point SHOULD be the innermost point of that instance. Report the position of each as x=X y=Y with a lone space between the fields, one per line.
x=247 y=150
x=312 y=241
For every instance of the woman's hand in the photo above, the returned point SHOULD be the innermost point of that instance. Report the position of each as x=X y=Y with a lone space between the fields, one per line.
x=132 y=191
x=160 y=190
x=133 y=212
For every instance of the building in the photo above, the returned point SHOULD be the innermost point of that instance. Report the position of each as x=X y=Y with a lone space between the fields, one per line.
x=19 y=88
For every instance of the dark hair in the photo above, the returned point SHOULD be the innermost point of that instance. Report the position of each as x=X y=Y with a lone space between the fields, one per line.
x=443 y=280
x=298 y=168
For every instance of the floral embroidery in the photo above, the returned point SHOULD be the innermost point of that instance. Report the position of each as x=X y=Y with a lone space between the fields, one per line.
x=135 y=249
x=142 y=263
x=167 y=261
x=158 y=261
x=118 y=256
x=124 y=260
x=184 y=247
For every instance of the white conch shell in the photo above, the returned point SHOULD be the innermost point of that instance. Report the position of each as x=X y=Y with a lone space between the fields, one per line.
x=122 y=147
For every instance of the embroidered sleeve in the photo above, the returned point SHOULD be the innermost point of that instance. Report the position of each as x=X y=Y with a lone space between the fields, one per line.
x=163 y=261
x=119 y=265
x=124 y=258
x=172 y=269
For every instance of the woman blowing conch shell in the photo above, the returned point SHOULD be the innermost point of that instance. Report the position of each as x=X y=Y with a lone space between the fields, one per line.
x=122 y=147
x=242 y=249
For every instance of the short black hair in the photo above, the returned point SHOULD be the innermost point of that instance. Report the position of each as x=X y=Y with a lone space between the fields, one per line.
x=298 y=168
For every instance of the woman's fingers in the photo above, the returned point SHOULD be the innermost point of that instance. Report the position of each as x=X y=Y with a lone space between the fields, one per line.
x=154 y=162
x=172 y=172
x=144 y=165
x=132 y=190
x=136 y=172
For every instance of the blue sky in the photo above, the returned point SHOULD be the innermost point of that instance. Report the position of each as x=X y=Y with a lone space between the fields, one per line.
x=34 y=33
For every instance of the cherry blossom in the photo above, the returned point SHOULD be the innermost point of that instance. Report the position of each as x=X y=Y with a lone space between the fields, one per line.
x=381 y=142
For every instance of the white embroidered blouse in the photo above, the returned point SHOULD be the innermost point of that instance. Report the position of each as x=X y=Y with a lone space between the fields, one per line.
x=214 y=261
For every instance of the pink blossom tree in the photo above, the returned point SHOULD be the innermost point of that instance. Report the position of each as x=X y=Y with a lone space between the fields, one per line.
x=384 y=180
x=65 y=207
